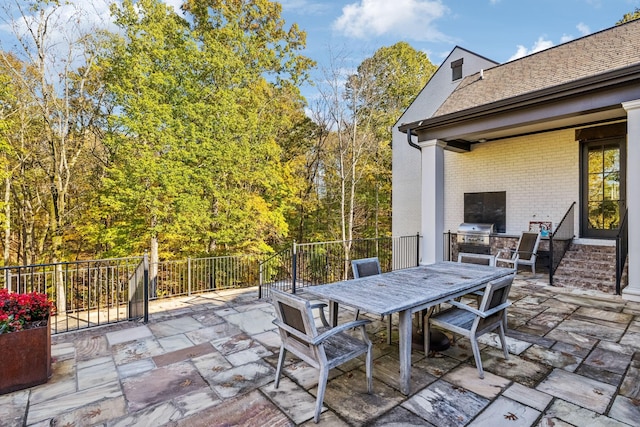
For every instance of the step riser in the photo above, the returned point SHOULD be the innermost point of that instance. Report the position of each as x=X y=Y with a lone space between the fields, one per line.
x=587 y=267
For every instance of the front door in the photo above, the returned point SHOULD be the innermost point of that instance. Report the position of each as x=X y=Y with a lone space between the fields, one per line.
x=603 y=187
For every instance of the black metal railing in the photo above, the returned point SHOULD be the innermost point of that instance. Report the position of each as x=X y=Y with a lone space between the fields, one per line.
x=86 y=293
x=309 y=264
x=622 y=250
x=560 y=240
x=98 y=292
x=196 y=275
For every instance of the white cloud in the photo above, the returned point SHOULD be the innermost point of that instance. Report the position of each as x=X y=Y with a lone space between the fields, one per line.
x=583 y=28
x=494 y=1
x=540 y=44
x=410 y=19
x=566 y=38
x=304 y=7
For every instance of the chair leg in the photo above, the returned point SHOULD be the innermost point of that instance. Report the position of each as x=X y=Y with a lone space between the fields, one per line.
x=503 y=340
x=357 y=314
x=476 y=355
x=322 y=386
x=370 y=369
x=283 y=353
x=505 y=321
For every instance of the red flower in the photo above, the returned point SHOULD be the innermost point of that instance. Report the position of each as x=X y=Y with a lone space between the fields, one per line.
x=17 y=311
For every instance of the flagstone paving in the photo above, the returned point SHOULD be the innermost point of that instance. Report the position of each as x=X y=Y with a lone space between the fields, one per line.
x=209 y=360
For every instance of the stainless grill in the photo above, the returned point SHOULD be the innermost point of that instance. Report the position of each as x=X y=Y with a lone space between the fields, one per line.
x=474 y=238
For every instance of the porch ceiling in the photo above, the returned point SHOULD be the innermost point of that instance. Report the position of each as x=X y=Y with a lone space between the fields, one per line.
x=484 y=135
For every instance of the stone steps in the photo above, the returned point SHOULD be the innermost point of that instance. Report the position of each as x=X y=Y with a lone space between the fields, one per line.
x=588 y=267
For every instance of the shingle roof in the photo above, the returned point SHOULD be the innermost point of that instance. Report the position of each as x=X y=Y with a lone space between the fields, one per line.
x=607 y=50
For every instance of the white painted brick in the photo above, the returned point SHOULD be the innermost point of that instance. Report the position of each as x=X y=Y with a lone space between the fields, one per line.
x=539 y=173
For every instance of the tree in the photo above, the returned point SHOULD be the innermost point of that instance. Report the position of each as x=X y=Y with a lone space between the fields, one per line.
x=631 y=16
x=387 y=84
x=202 y=101
x=356 y=163
x=50 y=72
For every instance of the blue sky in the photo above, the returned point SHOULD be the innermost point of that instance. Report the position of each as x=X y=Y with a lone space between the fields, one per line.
x=500 y=30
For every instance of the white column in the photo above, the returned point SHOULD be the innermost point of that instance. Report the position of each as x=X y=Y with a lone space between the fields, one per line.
x=432 y=222
x=632 y=291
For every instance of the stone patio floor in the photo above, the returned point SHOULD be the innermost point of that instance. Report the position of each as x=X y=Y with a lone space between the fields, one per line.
x=209 y=360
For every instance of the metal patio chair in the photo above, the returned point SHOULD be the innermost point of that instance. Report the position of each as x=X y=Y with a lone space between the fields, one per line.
x=525 y=253
x=323 y=348
x=368 y=267
x=471 y=323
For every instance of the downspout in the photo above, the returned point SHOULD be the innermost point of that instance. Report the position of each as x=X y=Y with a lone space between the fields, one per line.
x=411 y=143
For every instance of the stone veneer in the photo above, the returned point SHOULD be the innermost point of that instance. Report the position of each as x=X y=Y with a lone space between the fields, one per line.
x=500 y=242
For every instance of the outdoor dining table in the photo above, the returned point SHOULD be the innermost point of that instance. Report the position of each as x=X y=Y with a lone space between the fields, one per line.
x=407 y=291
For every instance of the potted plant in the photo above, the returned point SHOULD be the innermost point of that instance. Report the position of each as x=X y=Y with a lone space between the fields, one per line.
x=25 y=340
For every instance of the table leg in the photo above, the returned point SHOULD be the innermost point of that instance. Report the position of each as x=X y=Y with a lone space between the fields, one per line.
x=404 y=332
x=333 y=313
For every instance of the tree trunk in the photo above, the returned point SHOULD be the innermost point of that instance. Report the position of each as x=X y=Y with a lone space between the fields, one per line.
x=7 y=222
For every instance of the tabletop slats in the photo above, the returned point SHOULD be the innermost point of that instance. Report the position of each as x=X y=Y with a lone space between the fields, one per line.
x=408 y=288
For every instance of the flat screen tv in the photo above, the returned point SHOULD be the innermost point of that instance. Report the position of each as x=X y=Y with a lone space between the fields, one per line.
x=487 y=208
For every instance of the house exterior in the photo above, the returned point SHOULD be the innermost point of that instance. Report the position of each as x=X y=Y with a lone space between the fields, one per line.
x=544 y=131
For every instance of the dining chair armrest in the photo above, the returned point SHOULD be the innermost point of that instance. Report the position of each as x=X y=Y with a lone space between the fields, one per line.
x=496 y=309
x=505 y=253
x=320 y=306
x=340 y=328
x=464 y=307
x=483 y=314
x=292 y=331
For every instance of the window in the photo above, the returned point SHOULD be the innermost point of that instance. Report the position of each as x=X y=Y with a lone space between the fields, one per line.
x=603 y=201
x=456 y=70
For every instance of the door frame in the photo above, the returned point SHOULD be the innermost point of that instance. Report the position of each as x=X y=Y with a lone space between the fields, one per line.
x=585 y=231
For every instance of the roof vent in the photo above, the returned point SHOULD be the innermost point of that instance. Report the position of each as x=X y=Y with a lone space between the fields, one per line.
x=481 y=74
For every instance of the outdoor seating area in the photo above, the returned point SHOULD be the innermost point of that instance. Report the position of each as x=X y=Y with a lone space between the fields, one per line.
x=210 y=360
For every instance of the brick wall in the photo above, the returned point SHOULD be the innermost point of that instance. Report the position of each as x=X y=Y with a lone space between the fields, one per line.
x=540 y=174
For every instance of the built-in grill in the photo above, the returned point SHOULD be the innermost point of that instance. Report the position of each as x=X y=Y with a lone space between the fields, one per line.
x=474 y=238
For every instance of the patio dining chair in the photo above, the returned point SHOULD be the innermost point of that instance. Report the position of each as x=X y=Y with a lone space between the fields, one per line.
x=524 y=254
x=471 y=323
x=368 y=267
x=321 y=347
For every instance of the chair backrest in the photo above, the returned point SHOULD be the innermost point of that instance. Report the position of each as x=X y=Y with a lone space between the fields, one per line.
x=495 y=294
x=365 y=267
x=296 y=313
x=528 y=245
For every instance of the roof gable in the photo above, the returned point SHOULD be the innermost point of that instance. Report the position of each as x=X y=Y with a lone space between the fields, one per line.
x=610 y=49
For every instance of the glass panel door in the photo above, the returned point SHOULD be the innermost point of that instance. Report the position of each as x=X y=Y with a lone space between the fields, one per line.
x=603 y=188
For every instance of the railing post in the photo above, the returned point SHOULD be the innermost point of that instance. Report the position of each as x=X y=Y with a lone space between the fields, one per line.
x=618 y=272
x=551 y=259
x=189 y=275
x=146 y=287
x=259 y=279
x=417 y=249
x=294 y=268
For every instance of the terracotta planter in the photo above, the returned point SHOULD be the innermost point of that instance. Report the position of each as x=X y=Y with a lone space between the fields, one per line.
x=26 y=358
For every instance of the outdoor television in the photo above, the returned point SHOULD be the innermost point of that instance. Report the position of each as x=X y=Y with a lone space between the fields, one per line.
x=487 y=208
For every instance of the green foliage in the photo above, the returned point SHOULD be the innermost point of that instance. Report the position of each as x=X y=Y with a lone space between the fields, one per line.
x=383 y=87
x=201 y=103
x=631 y=16
x=189 y=129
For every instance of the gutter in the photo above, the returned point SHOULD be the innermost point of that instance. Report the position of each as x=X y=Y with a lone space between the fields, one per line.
x=411 y=143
